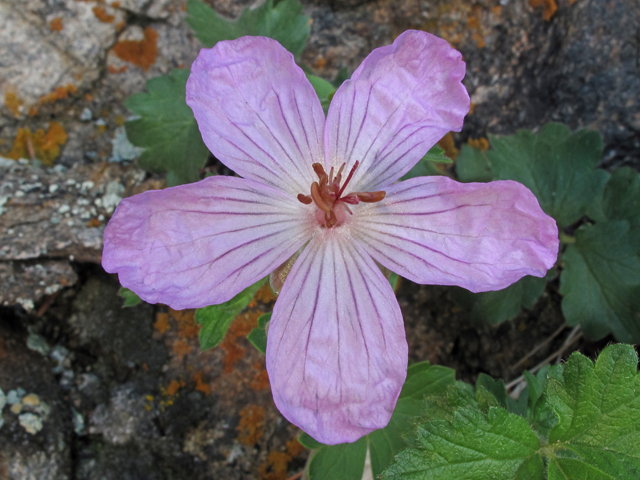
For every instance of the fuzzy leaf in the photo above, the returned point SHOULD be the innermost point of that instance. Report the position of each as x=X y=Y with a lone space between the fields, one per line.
x=167 y=129
x=422 y=379
x=601 y=281
x=216 y=319
x=599 y=416
x=283 y=22
x=471 y=445
x=595 y=435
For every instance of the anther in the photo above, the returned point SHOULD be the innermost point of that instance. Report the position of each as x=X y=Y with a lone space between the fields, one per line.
x=306 y=199
x=370 y=197
x=316 y=195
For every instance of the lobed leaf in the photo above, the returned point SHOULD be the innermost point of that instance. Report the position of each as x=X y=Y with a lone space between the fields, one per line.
x=283 y=22
x=595 y=432
x=167 y=129
x=558 y=166
x=601 y=281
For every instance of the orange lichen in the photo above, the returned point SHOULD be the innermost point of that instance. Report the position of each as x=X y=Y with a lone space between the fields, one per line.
x=56 y=24
x=102 y=15
x=12 y=102
x=94 y=222
x=88 y=97
x=162 y=323
x=294 y=448
x=42 y=146
x=471 y=107
x=251 y=425
x=120 y=25
x=479 y=40
x=142 y=53
x=59 y=93
x=200 y=385
x=115 y=4
x=265 y=294
x=479 y=144
x=275 y=468
x=240 y=327
x=181 y=348
x=173 y=387
x=550 y=7
x=448 y=145
x=260 y=380
x=187 y=326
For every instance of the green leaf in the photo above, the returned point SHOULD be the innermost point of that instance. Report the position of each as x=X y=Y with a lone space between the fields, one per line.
x=558 y=166
x=599 y=416
x=130 y=298
x=502 y=305
x=471 y=445
x=343 y=462
x=620 y=199
x=283 y=22
x=422 y=379
x=426 y=165
x=494 y=388
x=258 y=336
x=167 y=129
x=472 y=165
x=601 y=281
x=215 y=319
x=324 y=90
x=394 y=279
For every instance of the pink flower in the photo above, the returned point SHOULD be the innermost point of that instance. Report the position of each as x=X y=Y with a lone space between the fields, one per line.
x=336 y=352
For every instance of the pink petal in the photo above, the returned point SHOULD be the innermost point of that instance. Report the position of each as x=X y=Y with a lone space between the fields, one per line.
x=336 y=351
x=201 y=244
x=257 y=112
x=480 y=236
x=397 y=105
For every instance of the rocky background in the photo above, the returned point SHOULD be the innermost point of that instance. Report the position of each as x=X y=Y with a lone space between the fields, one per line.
x=92 y=390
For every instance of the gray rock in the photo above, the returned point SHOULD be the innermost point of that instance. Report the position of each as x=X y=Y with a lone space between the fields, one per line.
x=52 y=217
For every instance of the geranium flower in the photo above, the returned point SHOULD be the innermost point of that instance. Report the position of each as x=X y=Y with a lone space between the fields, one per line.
x=327 y=190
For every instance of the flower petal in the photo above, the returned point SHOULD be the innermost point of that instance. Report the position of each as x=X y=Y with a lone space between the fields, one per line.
x=397 y=105
x=480 y=236
x=336 y=351
x=257 y=112
x=201 y=244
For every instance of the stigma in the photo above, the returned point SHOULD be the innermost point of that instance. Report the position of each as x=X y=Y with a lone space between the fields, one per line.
x=328 y=195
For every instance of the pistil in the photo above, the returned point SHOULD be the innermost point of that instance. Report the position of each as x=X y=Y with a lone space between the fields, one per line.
x=327 y=194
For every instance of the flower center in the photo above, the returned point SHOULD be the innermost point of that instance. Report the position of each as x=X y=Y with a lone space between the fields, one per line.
x=327 y=194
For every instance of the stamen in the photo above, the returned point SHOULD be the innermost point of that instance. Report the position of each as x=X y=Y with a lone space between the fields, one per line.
x=370 y=197
x=330 y=219
x=306 y=199
x=346 y=182
x=326 y=193
x=317 y=197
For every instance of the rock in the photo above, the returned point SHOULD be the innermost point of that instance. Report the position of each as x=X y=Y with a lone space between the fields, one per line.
x=35 y=441
x=50 y=218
